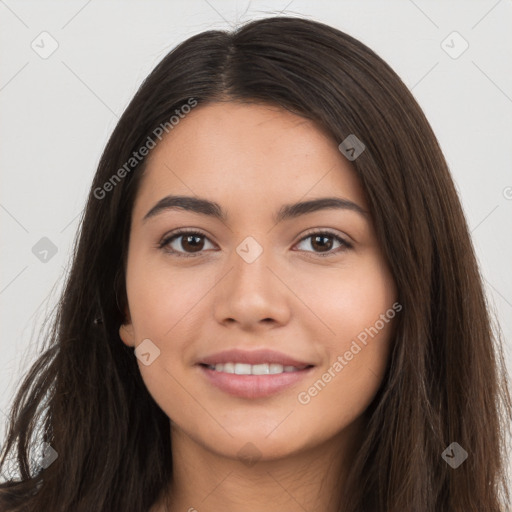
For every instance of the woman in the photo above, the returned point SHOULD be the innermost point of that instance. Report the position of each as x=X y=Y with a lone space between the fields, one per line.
x=274 y=301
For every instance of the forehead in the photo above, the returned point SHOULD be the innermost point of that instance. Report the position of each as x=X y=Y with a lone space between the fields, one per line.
x=250 y=154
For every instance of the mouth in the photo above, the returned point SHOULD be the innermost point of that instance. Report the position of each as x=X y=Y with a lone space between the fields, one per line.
x=248 y=381
x=253 y=373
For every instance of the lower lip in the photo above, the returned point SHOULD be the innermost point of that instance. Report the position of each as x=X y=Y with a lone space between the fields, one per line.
x=253 y=386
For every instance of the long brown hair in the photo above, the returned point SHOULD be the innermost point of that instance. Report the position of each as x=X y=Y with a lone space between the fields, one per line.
x=446 y=378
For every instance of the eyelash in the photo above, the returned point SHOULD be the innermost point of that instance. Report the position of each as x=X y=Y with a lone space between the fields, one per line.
x=344 y=244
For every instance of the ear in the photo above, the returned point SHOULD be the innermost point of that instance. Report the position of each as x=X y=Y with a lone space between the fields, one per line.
x=126 y=332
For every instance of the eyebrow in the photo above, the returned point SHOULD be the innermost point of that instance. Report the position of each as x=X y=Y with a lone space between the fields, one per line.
x=286 y=212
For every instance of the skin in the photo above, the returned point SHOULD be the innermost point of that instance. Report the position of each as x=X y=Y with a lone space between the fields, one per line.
x=252 y=159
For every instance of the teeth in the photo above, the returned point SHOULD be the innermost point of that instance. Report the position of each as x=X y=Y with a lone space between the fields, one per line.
x=254 y=369
x=260 y=369
x=275 y=368
x=242 y=369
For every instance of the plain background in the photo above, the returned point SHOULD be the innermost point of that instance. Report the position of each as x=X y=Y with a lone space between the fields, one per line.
x=56 y=114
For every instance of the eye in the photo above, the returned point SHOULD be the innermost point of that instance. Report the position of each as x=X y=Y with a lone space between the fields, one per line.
x=192 y=242
x=323 y=241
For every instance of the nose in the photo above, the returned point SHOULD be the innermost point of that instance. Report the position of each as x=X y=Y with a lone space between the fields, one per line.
x=252 y=295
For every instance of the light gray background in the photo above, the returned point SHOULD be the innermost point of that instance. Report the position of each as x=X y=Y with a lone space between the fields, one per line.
x=56 y=114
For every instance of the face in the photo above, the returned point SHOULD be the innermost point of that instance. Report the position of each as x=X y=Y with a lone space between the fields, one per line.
x=306 y=288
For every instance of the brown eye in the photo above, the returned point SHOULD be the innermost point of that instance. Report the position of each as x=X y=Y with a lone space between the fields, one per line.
x=184 y=243
x=323 y=242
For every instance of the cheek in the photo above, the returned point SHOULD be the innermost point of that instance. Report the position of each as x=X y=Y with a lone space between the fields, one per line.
x=357 y=306
x=165 y=306
x=162 y=304
x=162 y=299
x=348 y=300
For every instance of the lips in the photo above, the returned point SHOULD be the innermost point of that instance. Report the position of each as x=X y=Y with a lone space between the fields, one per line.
x=253 y=374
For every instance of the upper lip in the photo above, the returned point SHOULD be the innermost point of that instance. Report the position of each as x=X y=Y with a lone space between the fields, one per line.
x=252 y=357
